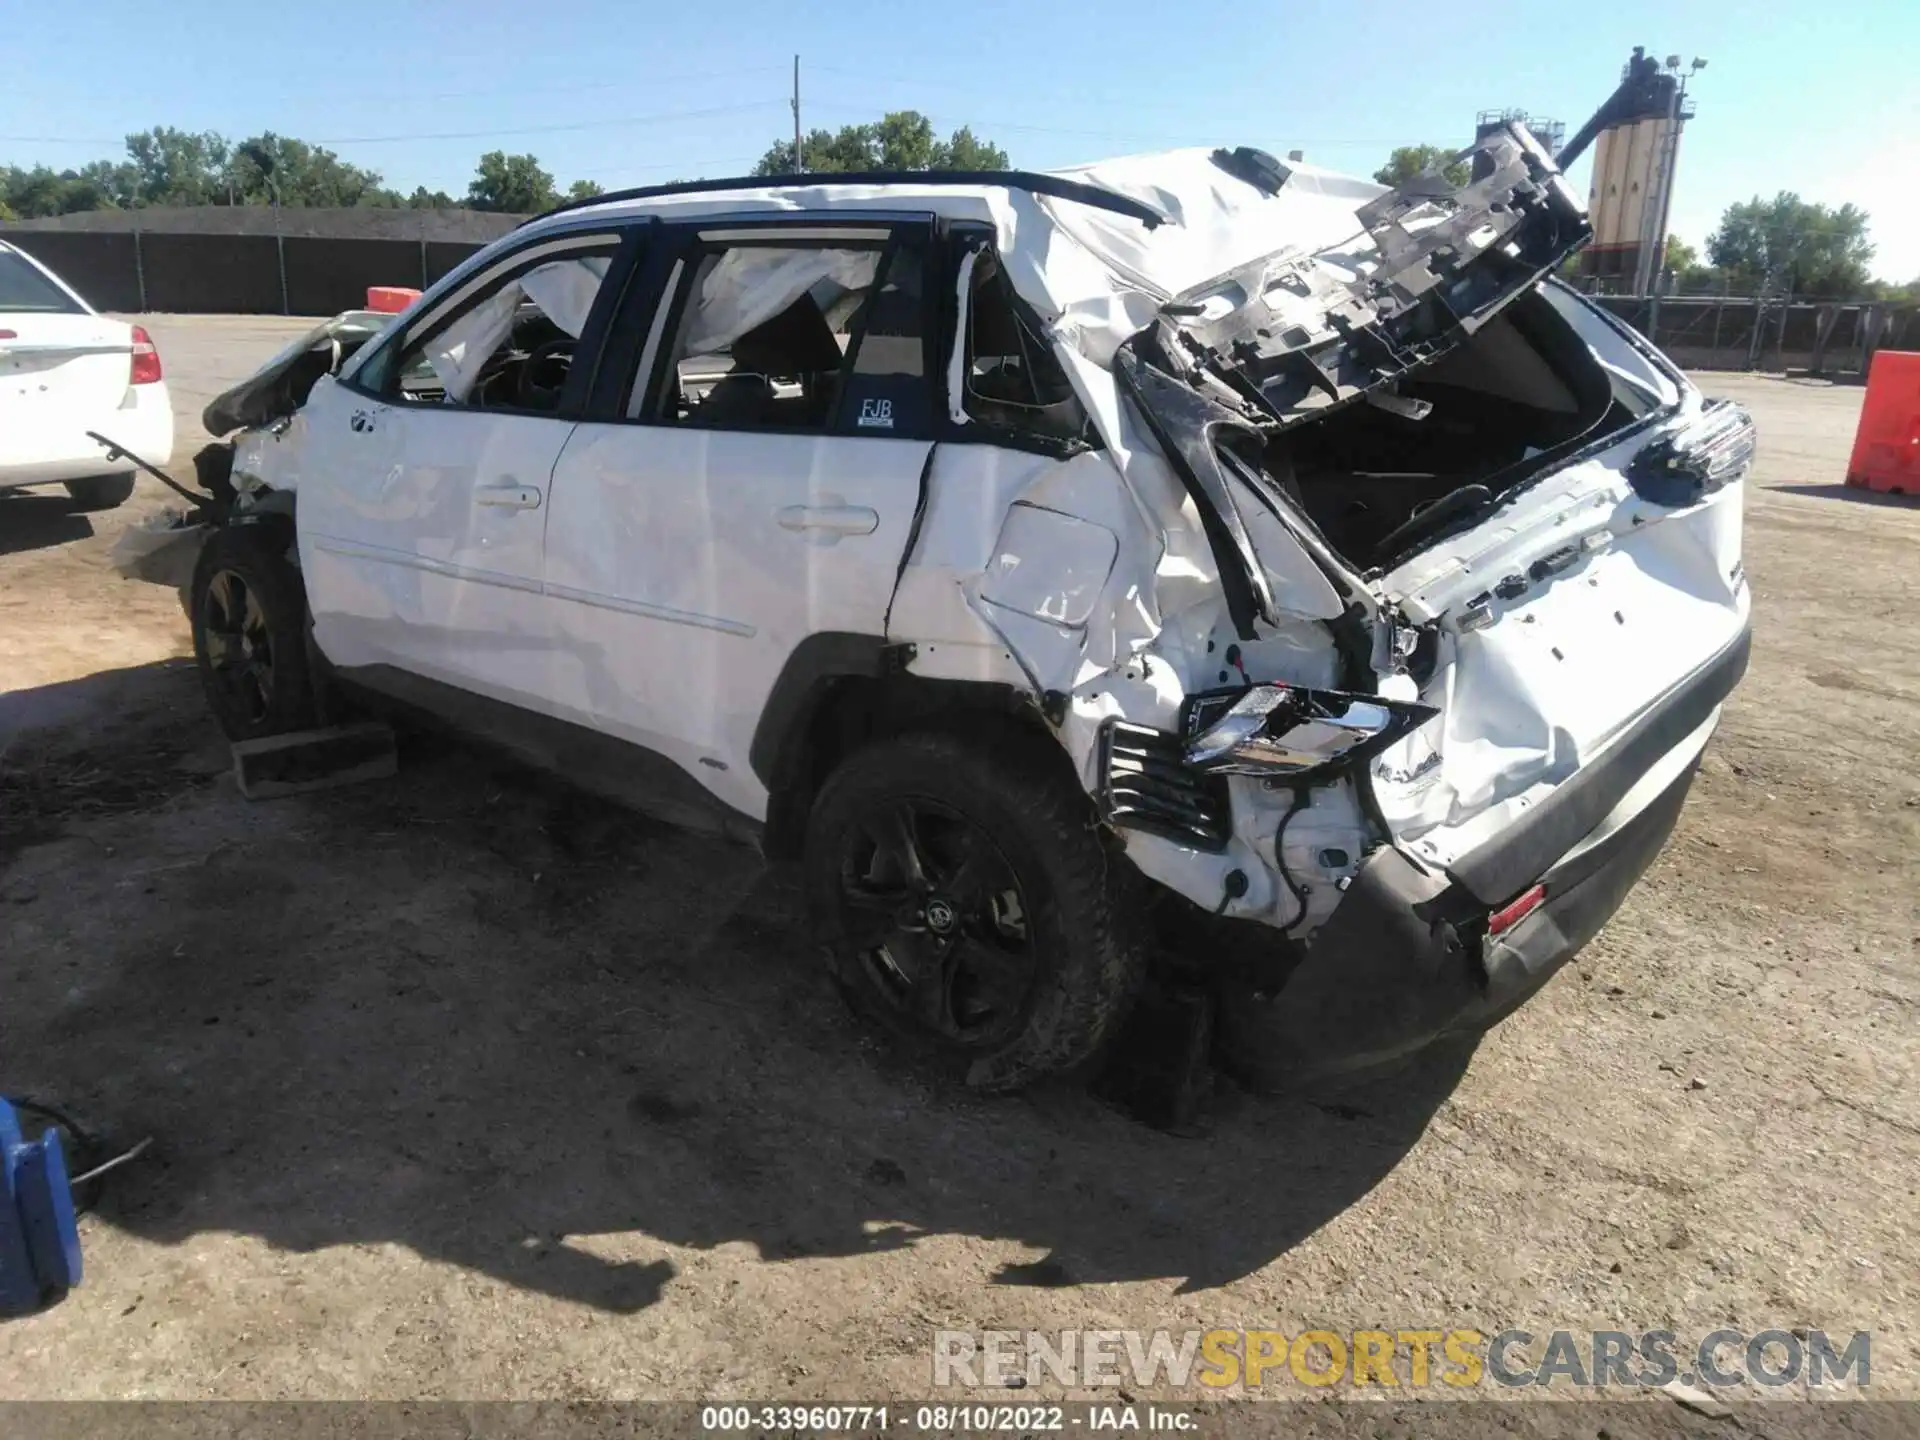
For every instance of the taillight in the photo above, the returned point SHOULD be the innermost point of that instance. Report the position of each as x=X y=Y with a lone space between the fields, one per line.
x=1508 y=916
x=1694 y=458
x=146 y=359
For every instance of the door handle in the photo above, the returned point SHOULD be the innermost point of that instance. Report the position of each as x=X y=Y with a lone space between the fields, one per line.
x=834 y=519
x=508 y=497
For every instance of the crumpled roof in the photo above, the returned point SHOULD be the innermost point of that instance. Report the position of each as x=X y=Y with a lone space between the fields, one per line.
x=1108 y=283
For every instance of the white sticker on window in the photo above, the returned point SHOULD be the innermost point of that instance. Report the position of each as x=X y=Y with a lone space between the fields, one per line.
x=876 y=415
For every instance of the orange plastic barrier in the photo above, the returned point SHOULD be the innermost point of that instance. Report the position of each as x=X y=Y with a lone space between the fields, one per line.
x=1886 y=447
x=390 y=299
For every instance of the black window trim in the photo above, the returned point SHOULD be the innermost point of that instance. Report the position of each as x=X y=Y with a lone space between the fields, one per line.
x=623 y=241
x=960 y=237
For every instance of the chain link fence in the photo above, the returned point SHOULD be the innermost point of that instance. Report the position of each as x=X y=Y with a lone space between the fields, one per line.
x=1834 y=338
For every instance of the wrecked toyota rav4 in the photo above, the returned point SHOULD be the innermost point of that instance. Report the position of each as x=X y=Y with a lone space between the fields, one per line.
x=1191 y=564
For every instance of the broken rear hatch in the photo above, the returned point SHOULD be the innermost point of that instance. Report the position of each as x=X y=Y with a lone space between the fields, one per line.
x=1580 y=587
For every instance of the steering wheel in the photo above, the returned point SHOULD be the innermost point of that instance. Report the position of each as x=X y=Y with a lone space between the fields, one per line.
x=530 y=392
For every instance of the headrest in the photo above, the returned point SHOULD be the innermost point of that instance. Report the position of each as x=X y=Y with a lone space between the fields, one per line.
x=796 y=341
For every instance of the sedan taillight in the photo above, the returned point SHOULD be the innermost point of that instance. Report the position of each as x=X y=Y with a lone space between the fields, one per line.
x=146 y=359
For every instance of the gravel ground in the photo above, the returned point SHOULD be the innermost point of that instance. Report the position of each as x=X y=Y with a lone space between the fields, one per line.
x=464 y=1086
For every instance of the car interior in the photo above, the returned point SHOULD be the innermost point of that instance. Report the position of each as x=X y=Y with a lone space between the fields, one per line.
x=1013 y=379
x=1387 y=474
x=783 y=374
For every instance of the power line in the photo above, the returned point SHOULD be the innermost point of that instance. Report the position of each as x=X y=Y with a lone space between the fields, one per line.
x=673 y=165
x=549 y=129
x=58 y=140
x=1155 y=137
x=659 y=118
x=632 y=82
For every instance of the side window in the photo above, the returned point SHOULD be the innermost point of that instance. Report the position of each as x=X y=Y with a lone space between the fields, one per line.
x=1011 y=379
x=507 y=346
x=798 y=337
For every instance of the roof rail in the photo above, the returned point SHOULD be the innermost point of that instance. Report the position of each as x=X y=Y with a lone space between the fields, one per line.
x=1057 y=186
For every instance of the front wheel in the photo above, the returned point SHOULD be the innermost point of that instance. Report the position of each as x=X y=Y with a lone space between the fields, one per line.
x=969 y=904
x=249 y=617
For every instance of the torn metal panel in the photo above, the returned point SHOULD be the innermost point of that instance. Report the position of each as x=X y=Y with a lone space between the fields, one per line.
x=282 y=385
x=1292 y=335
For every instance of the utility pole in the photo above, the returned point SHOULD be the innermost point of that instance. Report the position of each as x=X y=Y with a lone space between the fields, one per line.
x=799 y=159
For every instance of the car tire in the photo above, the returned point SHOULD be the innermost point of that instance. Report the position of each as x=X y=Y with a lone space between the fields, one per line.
x=100 y=492
x=996 y=933
x=249 y=615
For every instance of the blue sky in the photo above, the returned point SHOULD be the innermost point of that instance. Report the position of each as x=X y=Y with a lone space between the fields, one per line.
x=1821 y=99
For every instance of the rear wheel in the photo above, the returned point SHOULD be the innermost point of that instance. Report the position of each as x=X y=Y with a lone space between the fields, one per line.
x=969 y=905
x=100 y=492
x=249 y=636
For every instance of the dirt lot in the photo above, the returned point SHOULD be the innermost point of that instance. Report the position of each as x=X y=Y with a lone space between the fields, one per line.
x=466 y=1087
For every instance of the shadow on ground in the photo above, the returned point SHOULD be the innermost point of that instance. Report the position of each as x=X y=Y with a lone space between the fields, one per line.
x=481 y=1016
x=1849 y=492
x=39 y=520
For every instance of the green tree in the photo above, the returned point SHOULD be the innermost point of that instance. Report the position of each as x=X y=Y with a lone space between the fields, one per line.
x=1683 y=267
x=269 y=167
x=43 y=191
x=585 y=190
x=1787 y=243
x=1410 y=160
x=511 y=185
x=179 y=167
x=425 y=199
x=899 y=140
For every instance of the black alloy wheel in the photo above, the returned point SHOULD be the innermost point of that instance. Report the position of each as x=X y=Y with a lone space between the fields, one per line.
x=969 y=904
x=939 y=919
x=239 y=647
x=249 y=613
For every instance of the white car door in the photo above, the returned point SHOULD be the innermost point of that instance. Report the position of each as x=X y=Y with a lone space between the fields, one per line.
x=423 y=502
x=756 y=484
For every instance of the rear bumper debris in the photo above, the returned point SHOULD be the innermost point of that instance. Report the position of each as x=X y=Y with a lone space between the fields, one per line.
x=1406 y=958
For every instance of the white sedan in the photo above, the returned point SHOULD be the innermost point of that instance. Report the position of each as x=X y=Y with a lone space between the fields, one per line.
x=66 y=370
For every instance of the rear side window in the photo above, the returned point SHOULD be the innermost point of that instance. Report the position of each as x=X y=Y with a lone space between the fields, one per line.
x=1012 y=380
x=24 y=288
x=794 y=336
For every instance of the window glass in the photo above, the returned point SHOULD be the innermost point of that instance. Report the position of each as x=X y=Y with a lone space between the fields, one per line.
x=886 y=387
x=24 y=288
x=798 y=338
x=1012 y=378
x=511 y=348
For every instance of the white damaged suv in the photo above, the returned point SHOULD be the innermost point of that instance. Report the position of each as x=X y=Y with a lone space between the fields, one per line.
x=1192 y=560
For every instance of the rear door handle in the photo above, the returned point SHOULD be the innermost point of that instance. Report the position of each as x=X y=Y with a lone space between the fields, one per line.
x=508 y=497
x=834 y=519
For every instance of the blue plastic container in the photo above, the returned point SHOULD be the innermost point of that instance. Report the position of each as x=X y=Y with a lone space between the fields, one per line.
x=39 y=1238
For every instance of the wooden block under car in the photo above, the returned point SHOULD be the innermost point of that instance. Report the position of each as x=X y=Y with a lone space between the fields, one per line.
x=314 y=759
